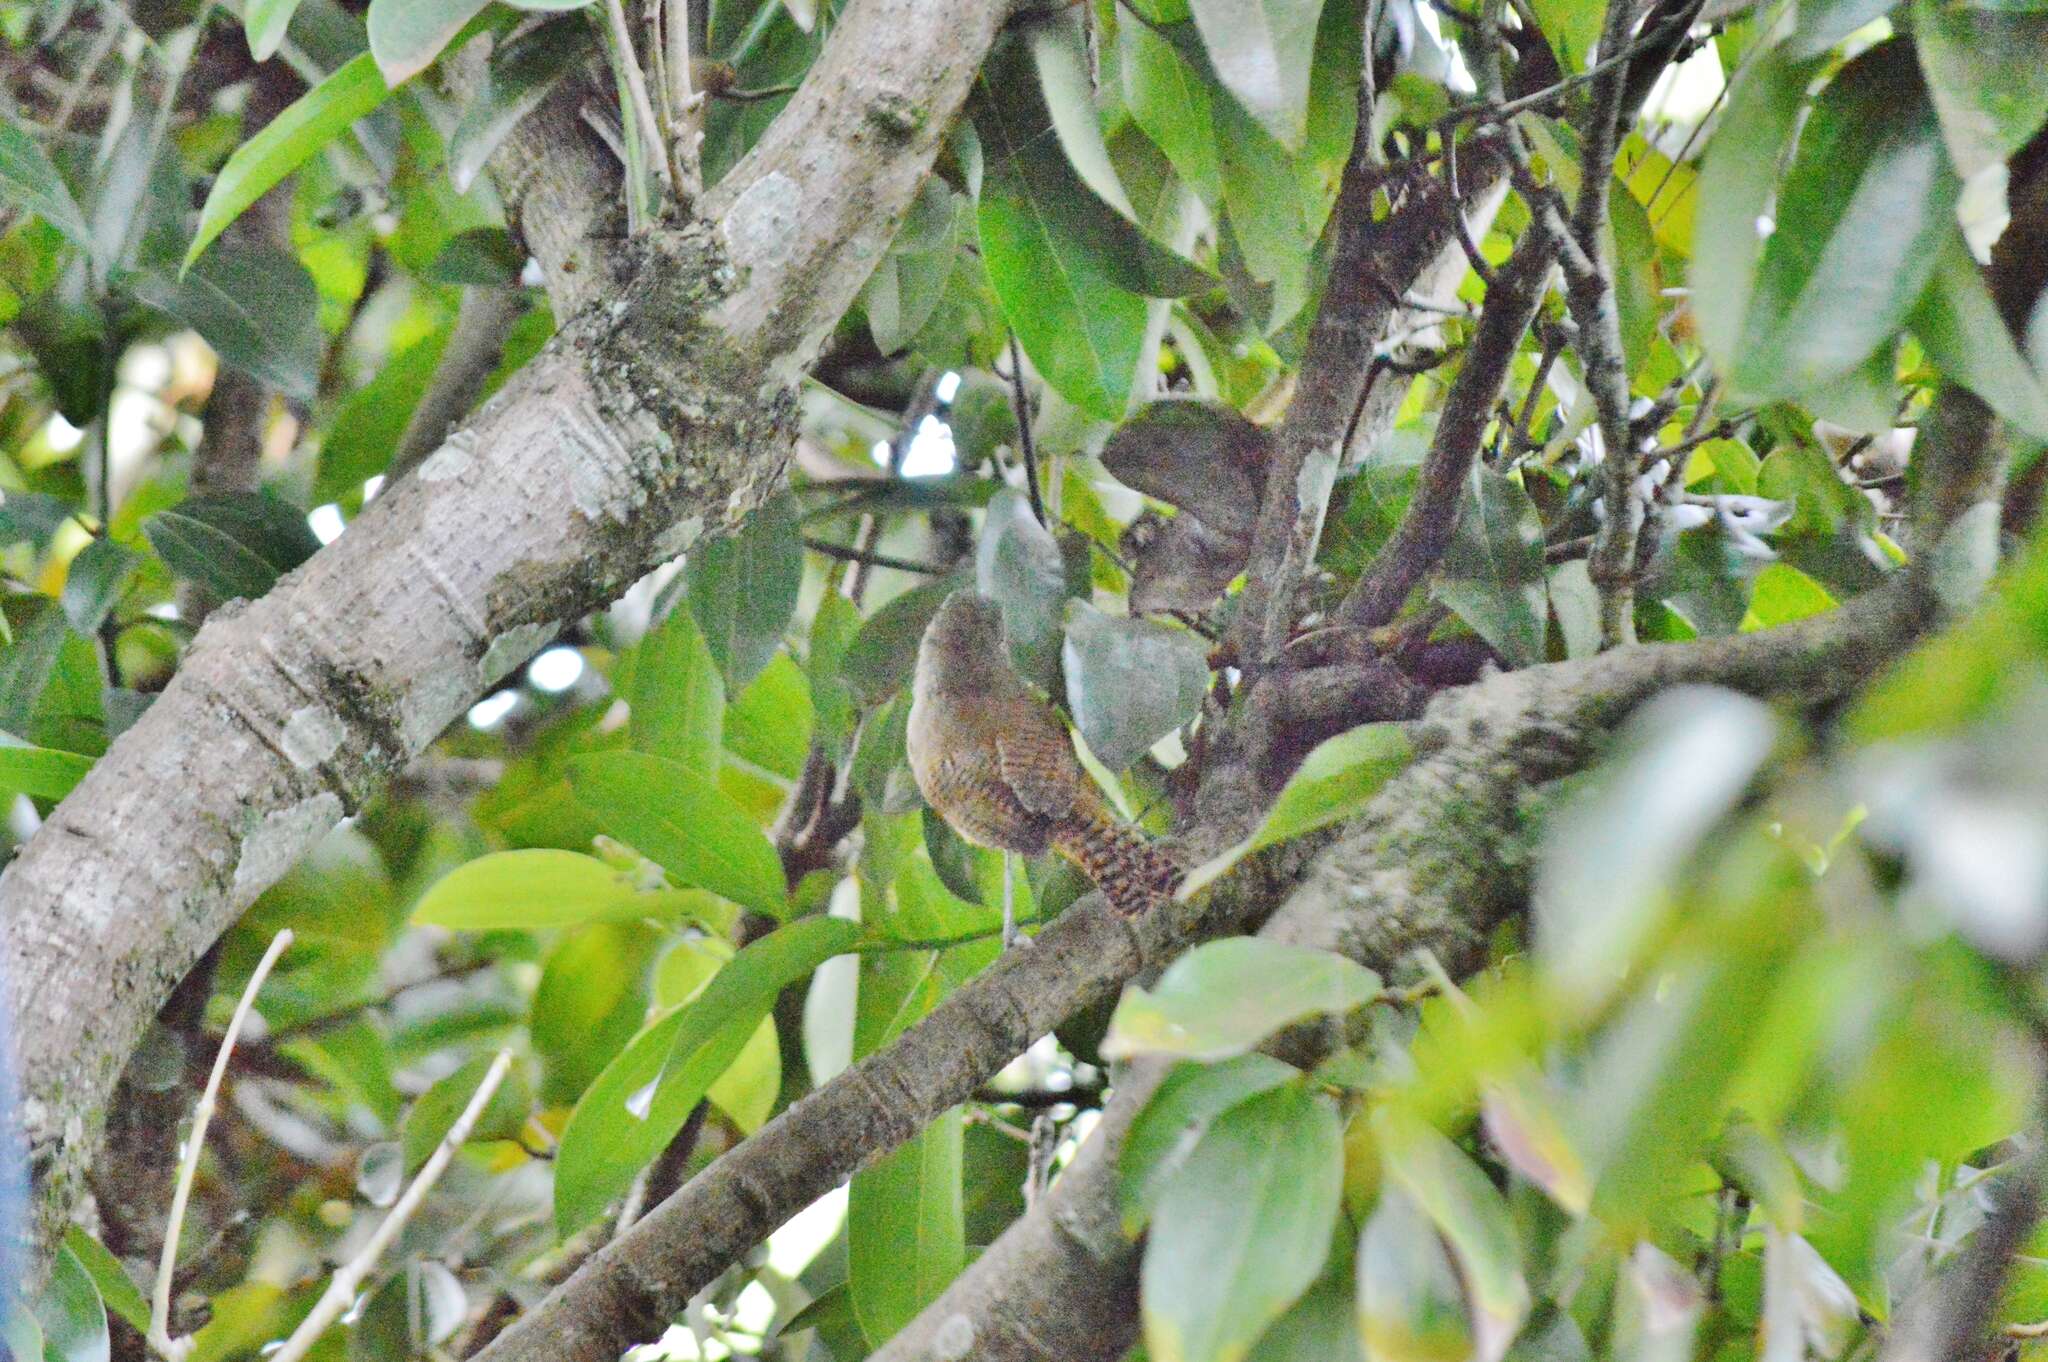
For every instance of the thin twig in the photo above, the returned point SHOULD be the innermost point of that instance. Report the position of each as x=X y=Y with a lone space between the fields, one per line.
x=1025 y=446
x=848 y=554
x=348 y=1278
x=636 y=90
x=160 y=1338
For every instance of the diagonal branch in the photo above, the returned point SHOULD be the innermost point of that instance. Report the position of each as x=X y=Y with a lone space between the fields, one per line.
x=1432 y=515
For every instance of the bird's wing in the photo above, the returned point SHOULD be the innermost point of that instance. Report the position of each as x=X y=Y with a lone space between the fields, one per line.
x=1039 y=766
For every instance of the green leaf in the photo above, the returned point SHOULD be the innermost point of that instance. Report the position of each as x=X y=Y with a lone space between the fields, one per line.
x=1985 y=75
x=1338 y=779
x=1493 y=575
x=265 y=23
x=40 y=771
x=634 y=1108
x=28 y=179
x=1321 y=1325
x=742 y=588
x=540 y=887
x=521 y=73
x=1958 y=325
x=1472 y=1218
x=679 y=818
x=833 y=629
x=406 y=35
x=908 y=286
x=1174 y=1119
x=112 y=1281
x=1736 y=185
x=1130 y=682
x=1170 y=102
x=306 y=125
x=905 y=1229
x=437 y=1109
x=73 y=1319
x=93 y=583
x=677 y=701
x=883 y=654
x=1243 y=1228
x=769 y=723
x=747 y=1090
x=1225 y=997
x=1411 y=1307
x=1617 y=847
x=233 y=543
x=1018 y=565
x=1859 y=221
x=366 y=430
x=1262 y=52
x=1067 y=268
x=1820 y=24
x=482 y=255
x=255 y=305
x=592 y=997
x=1782 y=594
x=1572 y=28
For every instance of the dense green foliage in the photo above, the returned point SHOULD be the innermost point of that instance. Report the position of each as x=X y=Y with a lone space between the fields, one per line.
x=1735 y=1086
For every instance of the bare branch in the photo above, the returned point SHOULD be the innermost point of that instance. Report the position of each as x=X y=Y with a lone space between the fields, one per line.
x=1432 y=515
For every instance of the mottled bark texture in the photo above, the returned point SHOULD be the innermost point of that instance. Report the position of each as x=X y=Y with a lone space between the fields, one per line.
x=664 y=409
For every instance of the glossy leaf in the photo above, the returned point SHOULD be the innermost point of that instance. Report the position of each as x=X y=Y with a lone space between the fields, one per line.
x=905 y=1229
x=1224 y=997
x=1130 y=682
x=591 y=998
x=1170 y=101
x=1493 y=574
x=232 y=543
x=1411 y=1306
x=1174 y=1119
x=1018 y=565
x=94 y=581
x=74 y=1320
x=1870 y=196
x=677 y=701
x=41 y=771
x=540 y=887
x=521 y=73
x=634 y=1108
x=679 y=818
x=436 y=1111
x=1338 y=779
x=116 y=1288
x=306 y=125
x=1473 y=1220
x=1601 y=890
x=29 y=180
x=1243 y=1228
x=255 y=305
x=406 y=35
x=1959 y=326
x=1262 y=51
x=265 y=23
x=742 y=588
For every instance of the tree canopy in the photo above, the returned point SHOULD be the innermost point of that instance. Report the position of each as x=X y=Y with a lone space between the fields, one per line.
x=1533 y=503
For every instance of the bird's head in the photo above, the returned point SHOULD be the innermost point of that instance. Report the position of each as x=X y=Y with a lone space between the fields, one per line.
x=964 y=642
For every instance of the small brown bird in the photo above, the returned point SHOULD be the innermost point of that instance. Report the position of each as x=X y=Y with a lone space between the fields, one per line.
x=997 y=763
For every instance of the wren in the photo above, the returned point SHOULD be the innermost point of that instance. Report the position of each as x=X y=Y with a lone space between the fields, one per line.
x=997 y=763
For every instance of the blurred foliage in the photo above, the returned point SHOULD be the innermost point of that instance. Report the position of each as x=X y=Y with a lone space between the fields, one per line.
x=1745 y=1078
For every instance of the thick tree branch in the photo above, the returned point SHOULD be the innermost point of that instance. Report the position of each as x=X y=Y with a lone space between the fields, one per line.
x=663 y=410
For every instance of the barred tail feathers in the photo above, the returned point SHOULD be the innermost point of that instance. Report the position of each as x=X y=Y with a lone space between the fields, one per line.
x=1132 y=872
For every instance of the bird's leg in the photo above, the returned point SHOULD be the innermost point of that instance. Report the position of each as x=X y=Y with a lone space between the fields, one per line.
x=1011 y=936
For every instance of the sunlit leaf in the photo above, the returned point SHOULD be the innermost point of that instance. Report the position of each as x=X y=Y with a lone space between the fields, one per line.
x=679 y=818
x=1224 y=997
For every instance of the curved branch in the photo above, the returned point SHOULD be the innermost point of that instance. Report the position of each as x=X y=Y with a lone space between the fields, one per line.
x=664 y=409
